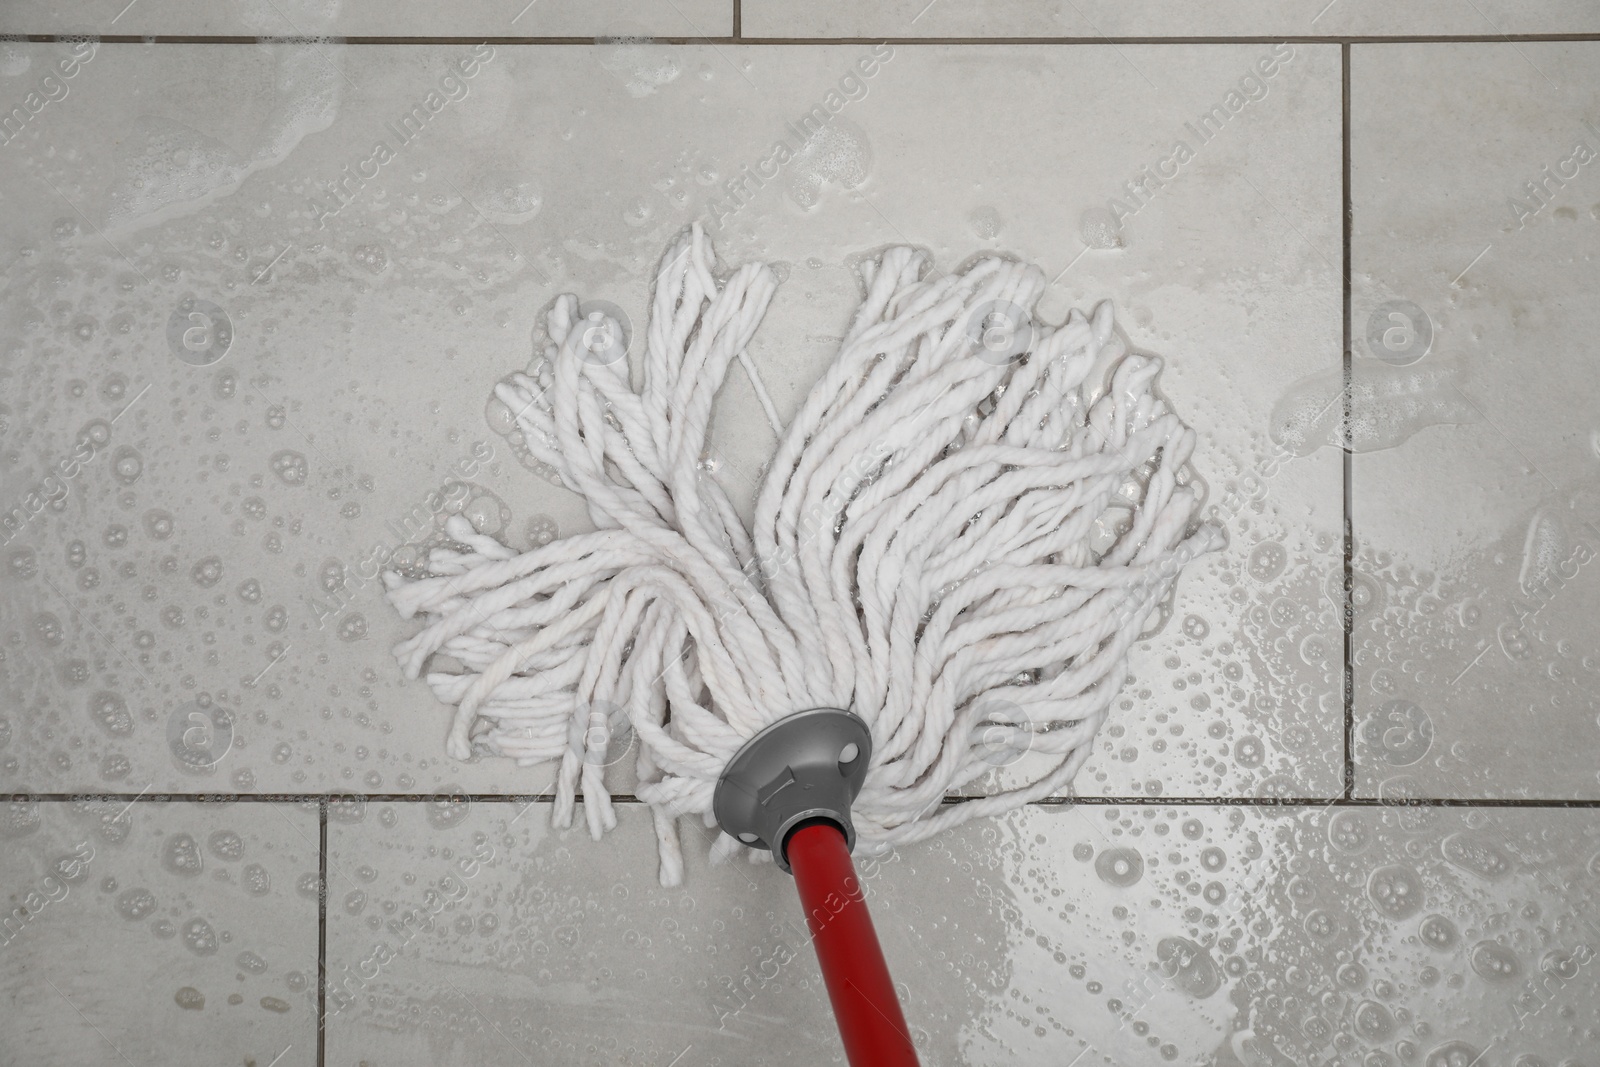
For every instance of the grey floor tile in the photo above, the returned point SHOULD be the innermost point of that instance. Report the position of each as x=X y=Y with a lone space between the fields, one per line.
x=1476 y=486
x=1127 y=936
x=1093 y=19
x=190 y=562
x=373 y=18
x=154 y=934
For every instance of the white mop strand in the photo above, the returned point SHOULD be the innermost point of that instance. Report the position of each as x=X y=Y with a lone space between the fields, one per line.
x=957 y=546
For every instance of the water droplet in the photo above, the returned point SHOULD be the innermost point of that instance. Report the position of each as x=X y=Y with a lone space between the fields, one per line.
x=182 y=855
x=1348 y=833
x=448 y=809
x=373 y=257
x=199 y=937
x=290 y=467
x=1395 y=890
x=1189 y=966
x=1249 y=751
x=1494 y=962
x=542 y=530
x=136 y=904
x=110 y=713
x=1373 y=1020
x=257 y=882
x=127 y=465
x=1267 y=561
x=226 y=845
x=1477 y=854
x=207 y=572
x=1438 y=932
x=1119 y=866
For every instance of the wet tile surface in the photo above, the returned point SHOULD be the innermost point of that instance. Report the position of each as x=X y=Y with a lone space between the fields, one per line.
x=1132 y=935
x=369 y=18
x=1105 y=18
x=1476 y=483
x=289 y=339
x=248 y=357
x=155 y=933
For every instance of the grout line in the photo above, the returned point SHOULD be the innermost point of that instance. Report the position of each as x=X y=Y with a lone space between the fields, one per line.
x=1346 y=457
x=738 y=19
x=322 y=932
x=324 y=799
x=737 y=39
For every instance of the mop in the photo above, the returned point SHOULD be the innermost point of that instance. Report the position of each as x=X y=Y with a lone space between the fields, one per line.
x=970 y=520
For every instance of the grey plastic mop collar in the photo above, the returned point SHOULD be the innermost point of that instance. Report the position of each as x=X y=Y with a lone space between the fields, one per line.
x=809 y=765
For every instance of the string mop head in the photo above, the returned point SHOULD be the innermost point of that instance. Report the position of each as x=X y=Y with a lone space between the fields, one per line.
x=968 y=523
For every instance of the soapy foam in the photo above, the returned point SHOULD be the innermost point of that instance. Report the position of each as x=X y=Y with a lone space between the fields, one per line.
x=167 y=169
x=1387 y=405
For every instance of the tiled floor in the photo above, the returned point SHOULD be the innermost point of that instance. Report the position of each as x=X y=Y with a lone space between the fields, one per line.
x=172 y=933
x=1264 y=868
x=1475 y=509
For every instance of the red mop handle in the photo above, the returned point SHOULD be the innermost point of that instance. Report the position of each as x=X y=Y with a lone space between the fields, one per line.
x=864 y=1002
